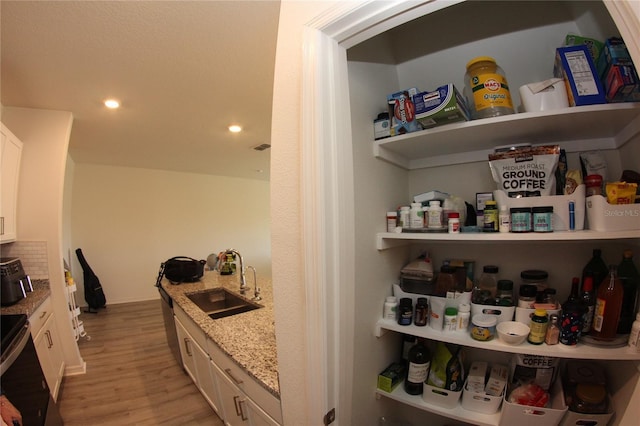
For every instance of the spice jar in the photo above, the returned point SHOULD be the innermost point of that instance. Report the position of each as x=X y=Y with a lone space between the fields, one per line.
x=486 y=89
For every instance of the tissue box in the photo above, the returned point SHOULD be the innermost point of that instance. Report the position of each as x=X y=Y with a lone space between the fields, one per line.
x=402 y=112
x=575 y=66
x=443 y=105
x=391 y=377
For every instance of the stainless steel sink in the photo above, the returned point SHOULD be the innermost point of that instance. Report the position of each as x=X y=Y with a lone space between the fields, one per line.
x=220 y=303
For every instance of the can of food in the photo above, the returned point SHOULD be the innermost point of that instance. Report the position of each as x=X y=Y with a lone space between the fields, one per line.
x=483 y=327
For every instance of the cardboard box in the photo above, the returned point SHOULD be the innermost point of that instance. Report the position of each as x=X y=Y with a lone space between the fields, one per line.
x=391 y=377
x=595 y=46
x=620 y=81
x=497 y=380
x=575 y=66
x=402 y=112
x=614 y=52
x=476 y=376
x=443 y=105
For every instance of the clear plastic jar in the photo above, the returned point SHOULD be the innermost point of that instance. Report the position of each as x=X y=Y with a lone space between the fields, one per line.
x=486 y=89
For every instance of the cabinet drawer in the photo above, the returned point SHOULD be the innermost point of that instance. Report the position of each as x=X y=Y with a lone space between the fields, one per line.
x=254 y=390
x=40 y=316
x=192 y=328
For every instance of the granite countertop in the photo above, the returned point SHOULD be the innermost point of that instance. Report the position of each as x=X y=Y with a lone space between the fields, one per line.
x=33 y=300
x=249 y=338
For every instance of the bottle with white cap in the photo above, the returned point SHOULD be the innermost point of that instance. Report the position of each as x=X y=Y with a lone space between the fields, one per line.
x=435 y=215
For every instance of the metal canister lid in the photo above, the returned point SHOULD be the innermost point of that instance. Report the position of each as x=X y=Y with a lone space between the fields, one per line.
x=534 y=275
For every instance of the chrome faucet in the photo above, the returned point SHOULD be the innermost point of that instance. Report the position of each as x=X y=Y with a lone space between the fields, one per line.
x=256 y=291
x=243 y=277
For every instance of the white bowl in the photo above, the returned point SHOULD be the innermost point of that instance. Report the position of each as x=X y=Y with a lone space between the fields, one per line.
x=512 y=332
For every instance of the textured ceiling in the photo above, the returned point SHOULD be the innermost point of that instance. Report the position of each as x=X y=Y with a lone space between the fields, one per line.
x=183 y=71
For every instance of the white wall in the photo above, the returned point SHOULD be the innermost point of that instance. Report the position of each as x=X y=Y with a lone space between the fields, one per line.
x=45 y=137
x=127 y=221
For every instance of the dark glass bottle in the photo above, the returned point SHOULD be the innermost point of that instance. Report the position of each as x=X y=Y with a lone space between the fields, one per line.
x=418 y=368
x=597 y=268
x=572 y=318
x=408 y=340
x=589 y=301
x=608 y=306
x=630 y=279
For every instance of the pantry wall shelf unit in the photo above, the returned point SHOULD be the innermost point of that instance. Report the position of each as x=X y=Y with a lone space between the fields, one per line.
x=388 y=240
x=580 y=351
x=606 y=126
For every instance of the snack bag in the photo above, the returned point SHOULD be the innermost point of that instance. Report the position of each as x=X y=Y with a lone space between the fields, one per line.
x=621 y=192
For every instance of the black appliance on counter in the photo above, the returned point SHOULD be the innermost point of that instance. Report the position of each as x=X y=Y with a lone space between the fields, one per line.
x=23 y=382
x=15 y=283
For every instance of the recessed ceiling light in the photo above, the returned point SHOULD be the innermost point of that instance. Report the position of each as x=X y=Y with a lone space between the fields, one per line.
x=235 y=128
x=112 y=103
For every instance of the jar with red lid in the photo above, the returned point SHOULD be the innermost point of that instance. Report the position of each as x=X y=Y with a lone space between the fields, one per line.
x=593 y=184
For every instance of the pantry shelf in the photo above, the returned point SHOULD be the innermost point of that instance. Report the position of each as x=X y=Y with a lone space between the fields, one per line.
x=457 y=412
x=580 y=351
x=606 y=126
x=387 y=240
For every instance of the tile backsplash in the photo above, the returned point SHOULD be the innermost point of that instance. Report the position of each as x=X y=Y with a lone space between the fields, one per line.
x=33 y=256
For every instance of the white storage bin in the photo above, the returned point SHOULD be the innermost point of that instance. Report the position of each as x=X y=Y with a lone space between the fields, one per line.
x=504 y=313
x=578 y=419
x=480 y=401
x=602 y=216
x=523 y=415
x=441 y=397
x=560 y=204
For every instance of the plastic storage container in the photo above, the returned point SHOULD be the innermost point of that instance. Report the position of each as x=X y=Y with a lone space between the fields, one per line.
x=486 y=89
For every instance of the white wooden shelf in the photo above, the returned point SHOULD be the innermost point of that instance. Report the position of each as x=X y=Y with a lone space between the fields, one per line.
x=580 y=351
x=387 y=240
x=606 y=126
x=457 y=412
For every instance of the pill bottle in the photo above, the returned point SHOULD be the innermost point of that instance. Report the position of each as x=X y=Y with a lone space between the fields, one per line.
x=486 y=89
x=464 y=315
x=416 y=218
x=454 y=223
x=435 y=215
x=422 y=312
x=538 y=327
x=490 y=214
x=392 y=220
x=405 y=311
x=404 y=216
x=450 y=319
x=504 y=219
x=390 y=308
x=541 y=217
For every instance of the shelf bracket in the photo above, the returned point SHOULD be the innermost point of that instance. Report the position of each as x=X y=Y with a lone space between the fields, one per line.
x=379 y=331
x=383 y=243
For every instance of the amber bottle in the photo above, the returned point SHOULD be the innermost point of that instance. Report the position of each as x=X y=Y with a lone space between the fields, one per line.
x=608 y=306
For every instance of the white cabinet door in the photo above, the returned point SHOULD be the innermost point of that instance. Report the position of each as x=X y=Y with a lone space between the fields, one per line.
x=186 y=350
x=10 y=153
x=238 y=408
x=196 y=362
x=50 y=355
x=232 y=399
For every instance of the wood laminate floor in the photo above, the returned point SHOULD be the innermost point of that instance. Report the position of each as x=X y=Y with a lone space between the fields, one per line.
x=132 y=378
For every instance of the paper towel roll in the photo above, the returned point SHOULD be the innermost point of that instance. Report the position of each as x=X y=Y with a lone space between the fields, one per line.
x=544 y=95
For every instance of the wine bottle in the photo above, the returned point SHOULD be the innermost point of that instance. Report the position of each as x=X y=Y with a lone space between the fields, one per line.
x=630 y=280
x=608 y=306
x=589 y=301
x=572 y=316
x=597 y=268
x=418 y=369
